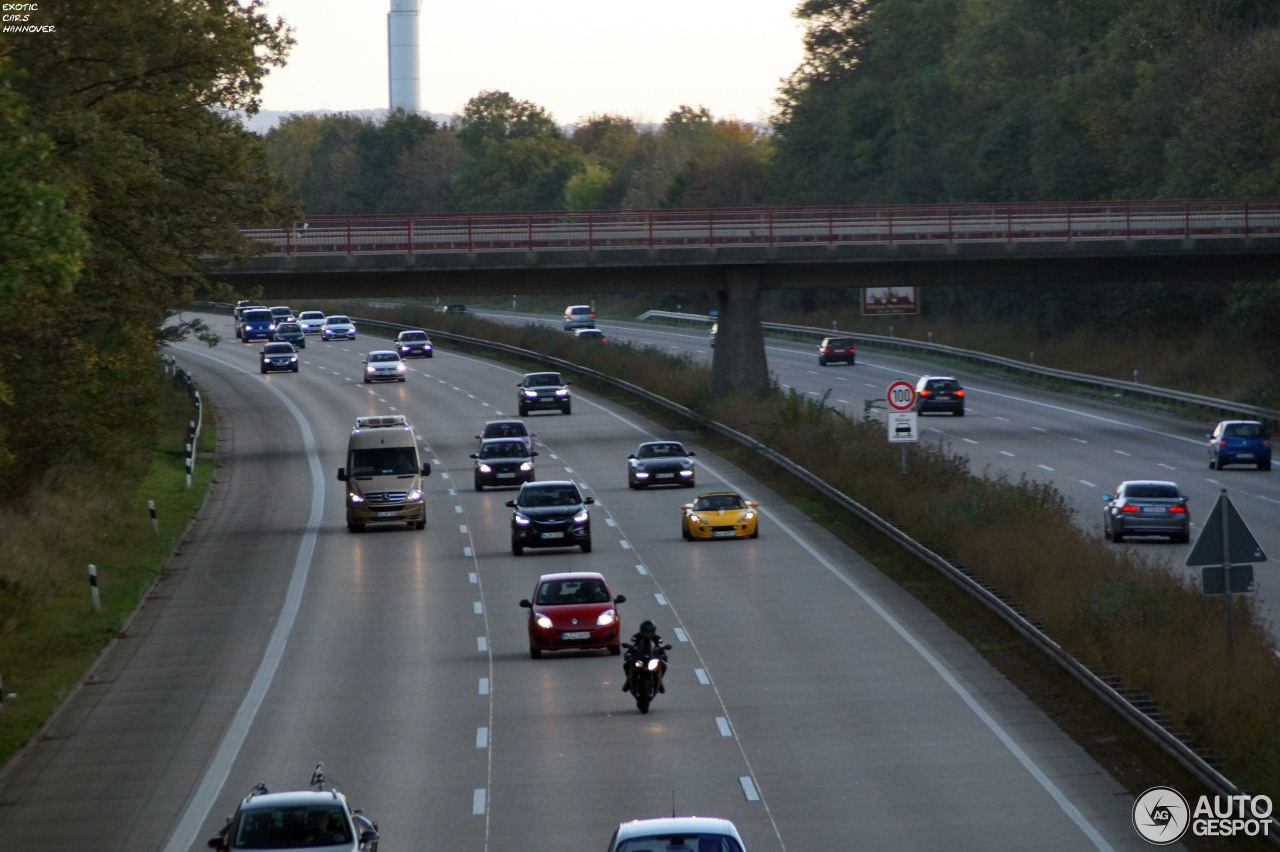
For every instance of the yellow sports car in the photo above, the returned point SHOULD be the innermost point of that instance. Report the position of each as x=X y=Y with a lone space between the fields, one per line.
x=719 y=514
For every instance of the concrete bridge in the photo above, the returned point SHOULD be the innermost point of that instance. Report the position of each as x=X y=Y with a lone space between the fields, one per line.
x=739 y=252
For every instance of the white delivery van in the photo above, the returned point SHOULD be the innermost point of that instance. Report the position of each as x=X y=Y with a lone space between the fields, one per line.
x=384 y=474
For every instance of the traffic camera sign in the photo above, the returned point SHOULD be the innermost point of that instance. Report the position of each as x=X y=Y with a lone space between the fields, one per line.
x=902 y=396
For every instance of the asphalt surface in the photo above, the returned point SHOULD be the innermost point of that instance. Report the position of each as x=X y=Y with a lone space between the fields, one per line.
x=809 y=700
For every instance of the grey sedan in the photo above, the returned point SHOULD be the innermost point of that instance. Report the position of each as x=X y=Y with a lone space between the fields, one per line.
x=1147 y=507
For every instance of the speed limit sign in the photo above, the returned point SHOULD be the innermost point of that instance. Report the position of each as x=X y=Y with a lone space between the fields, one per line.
x=902 y=396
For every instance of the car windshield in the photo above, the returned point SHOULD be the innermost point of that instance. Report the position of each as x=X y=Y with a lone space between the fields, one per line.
x=1245 y=430
x=505 y=430
x=258 y=316
x=660 y=451
x=564 y=592
x=556 y=495
x=336 y=320
x=278 y=349
x=503 y=450
x=375 y=357
x=298 y=827
x=680 y=843
x=840 y=342
x=542 y=380
x=718 y=503
x=943 y=385
x=1152 y=491
x=383 y=461
x=413 y=337
x=289 y=328
x=311 y=315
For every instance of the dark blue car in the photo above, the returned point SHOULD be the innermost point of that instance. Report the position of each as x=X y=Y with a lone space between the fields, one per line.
x=1240 y=442
x=257 y=324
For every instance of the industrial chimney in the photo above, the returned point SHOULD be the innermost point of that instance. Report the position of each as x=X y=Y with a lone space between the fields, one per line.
x=402 y=54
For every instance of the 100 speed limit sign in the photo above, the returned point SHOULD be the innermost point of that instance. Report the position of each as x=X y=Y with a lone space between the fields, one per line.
x=901 y=396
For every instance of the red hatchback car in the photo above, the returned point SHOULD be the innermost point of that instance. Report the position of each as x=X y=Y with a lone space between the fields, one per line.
x=573 y=610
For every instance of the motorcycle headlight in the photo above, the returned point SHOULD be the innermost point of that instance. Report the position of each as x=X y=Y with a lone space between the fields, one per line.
x=606 y=618
x=521 y=520
x=653 y=664
x=542 y=621
x=581 y=517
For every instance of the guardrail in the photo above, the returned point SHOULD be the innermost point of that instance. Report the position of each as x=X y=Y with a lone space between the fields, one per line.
x=1244 y=219
x=1143 y=717
x=1269 y=415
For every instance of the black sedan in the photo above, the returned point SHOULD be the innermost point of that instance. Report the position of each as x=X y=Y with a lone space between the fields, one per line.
x=551 y=513
x=414 y=344
x=503 y=461
x=541 y=391
x=660 y=463
x=278 y=356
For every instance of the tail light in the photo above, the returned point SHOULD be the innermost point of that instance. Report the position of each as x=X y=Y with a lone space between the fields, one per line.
x=960 y=393
x=1180 y=509
x=924 y=392
x=1128 y=508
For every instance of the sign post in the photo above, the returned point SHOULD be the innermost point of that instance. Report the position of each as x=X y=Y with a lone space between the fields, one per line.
x=902 y=420
x=1224 y=543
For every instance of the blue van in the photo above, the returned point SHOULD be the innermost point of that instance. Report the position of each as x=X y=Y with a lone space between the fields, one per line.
x=259 y=323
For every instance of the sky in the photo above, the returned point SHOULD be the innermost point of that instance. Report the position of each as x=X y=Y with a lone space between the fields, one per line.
x=573 y=58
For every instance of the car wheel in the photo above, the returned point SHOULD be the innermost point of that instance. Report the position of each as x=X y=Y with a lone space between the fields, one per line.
x=535 y=653
x=516 y=549
x=420 y=525
x=478 y=484
x=402 y=378
x=428 y=355
x=295 y=368
x=263 y=369
x=685 y=534
x=524 y=412
x=586 y=546
x=1212 y=464
x=615 y=650
x=568 y=409
x=960 y=413
x=1116 y=535
x=822 y=362
x=689 y=484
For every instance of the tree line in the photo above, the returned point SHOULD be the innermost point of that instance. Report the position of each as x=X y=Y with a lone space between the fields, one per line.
x=121 y=160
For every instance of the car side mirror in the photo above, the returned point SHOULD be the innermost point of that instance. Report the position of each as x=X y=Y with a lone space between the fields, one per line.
x=478 y=438
x=525 y=603
x=691 y=453
x=666 y=647
x=687 y=506
x=632 y=456
x=533 y=453
x=586 y=500
x=620 y=599
x=474 y=456
x=426 y=469
x=368 y=836
x=511 y=503
x=216 y=842
x=1106 y=497
x=342 y=474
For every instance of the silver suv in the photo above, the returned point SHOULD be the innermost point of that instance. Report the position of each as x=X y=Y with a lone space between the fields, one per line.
x=300 y=819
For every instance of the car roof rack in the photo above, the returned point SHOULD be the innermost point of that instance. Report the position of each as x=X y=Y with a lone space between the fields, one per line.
x=381 y=421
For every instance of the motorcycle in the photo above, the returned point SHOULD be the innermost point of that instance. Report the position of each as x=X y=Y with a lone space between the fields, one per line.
x=648 y=660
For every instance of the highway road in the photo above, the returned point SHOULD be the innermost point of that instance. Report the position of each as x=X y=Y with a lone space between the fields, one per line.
x=1084 y=447
x=809 y=700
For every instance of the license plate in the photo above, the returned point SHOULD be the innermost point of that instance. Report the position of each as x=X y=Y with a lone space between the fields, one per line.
x=1153 y=510
x=722 y=534
x=552 y=535
x=506 y=476
x=943 y=396
x=385 y=514
x=1244 y=455
x=665 y=476
x=576 y=634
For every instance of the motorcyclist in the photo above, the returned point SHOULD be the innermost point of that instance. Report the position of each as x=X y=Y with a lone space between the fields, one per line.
x=648 y=630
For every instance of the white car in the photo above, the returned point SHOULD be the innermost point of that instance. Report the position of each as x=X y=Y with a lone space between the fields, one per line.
x=311 y=321
x=677 y=834
x=338 y=327
x=384 y=365
x=299 y=819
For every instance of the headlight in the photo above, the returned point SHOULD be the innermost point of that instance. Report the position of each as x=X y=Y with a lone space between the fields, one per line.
x=293 y=360
x=484 y=468
x=654 y=663
x=530 y=394
x=526 y=466
x=370 y=369
x=748 y=516
x=562 y=391
x=354 y=497
x=400 y=368
x=542 y=621
x=521 y=519
x=640 y=474
x=606 y=618
x=694 y=519
x=581 y=517
x=404 y=349
x=266 y=360
x=687 y=472
x=415 y=495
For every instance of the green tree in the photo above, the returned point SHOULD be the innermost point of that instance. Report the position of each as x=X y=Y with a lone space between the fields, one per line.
x=136 y=98
x=498 y=117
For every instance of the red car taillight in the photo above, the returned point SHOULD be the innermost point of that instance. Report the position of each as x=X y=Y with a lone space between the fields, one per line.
x=959 y=393
x=1128 y=508
x=924 y=392
x=1182 y=509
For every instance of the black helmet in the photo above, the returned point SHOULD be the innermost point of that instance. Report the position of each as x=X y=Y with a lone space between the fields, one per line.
x=648 y=628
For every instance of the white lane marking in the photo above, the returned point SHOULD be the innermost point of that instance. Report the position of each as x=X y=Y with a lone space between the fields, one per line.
x=466 y=551
x=701 y=675
x=1120 y=452
x=1080 y=440
x=611 y=522
x=626 y=545
x=462 y=528
x=1087 y=484
x=723 y=724
x=1045 y=467
x=482 y=737
x=219 y=768
x=477 y=607
x=1006 y=453
x=1167 y=466
x=472 y=578
x=657 y=596
x=749 y=788
x=640 y=570
x=970 y=441
x=1038 y=429
x=680 y=634
x=482 y=644
x=477 y=803
x=457 y=509
x=484 y=686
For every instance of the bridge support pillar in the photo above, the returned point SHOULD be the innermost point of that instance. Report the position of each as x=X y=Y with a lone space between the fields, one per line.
x=739 y=365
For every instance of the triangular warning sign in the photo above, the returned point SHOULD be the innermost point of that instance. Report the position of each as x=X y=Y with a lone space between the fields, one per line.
x=1229 y=544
